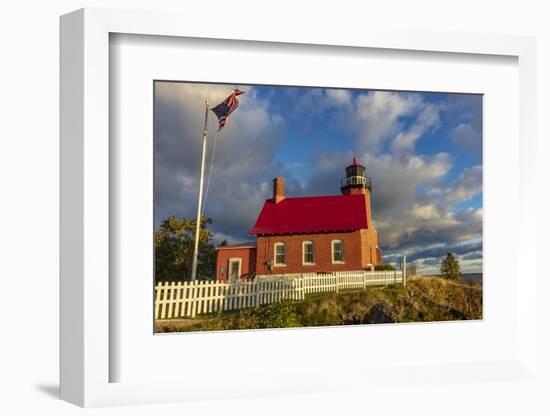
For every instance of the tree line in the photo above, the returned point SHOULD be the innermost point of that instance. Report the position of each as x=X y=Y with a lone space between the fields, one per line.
x=174 y=245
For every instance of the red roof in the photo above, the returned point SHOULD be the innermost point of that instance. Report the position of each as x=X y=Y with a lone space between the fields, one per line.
x=314 y=214
x=354 y=162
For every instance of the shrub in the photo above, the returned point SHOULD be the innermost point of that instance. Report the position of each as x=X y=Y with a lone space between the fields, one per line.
x=279 y=315
x=383 y=267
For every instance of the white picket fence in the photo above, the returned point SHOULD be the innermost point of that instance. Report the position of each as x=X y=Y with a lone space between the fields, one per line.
x=188 y=299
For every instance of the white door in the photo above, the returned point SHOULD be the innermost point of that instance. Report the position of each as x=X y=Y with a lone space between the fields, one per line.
x=234 y=269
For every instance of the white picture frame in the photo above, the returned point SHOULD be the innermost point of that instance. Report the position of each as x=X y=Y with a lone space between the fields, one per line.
x=85 y=211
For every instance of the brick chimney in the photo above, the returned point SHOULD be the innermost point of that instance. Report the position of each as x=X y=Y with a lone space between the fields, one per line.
x=278 y=189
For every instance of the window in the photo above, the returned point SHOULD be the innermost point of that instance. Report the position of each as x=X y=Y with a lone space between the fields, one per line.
x=234 y=269
x=308 y=252
x=280 y=254
x=337 y=251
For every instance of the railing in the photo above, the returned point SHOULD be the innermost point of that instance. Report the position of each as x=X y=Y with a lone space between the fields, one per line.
x=188 y=299
x=365 y=181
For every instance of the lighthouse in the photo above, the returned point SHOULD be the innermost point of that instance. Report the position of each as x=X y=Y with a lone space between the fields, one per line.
x=357 y=182
x=308 y=234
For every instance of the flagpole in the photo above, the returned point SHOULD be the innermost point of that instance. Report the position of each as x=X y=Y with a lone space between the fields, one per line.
x=199 y=206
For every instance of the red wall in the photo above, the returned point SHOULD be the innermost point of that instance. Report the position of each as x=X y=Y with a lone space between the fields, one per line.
x=353 y=252
x=248 y=263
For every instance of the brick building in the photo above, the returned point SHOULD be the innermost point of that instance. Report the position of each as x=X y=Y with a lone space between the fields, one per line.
x=308 y=234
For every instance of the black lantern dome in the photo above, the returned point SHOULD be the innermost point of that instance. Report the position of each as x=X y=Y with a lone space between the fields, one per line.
x=355 y=178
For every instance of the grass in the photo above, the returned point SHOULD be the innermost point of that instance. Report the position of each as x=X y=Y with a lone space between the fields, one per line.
x=424 y=299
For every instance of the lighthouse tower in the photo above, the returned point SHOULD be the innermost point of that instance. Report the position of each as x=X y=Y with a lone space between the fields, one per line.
x=357 y=182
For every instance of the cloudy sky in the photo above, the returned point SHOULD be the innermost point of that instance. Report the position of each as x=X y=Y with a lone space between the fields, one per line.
x=422 y=151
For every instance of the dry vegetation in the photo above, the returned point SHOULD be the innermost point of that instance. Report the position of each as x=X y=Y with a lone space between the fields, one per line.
x=425 y=299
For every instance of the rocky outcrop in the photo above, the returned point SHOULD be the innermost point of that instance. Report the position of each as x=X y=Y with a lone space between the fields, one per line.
x=381 y=313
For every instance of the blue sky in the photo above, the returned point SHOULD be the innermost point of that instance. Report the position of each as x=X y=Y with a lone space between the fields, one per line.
x=310 y=133
x=422 y=150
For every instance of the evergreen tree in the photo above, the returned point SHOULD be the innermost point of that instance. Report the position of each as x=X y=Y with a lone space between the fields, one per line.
x=450 y=268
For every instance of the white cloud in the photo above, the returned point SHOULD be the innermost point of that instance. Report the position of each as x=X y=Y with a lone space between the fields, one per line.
x=467 y=137
x=414 y=205
x=378 y=116
x=426 y=212
x=467 y=186
x=400 y=215
x=408 y=215
x=412 y=208
x=252 y=135
x=338 y=97
x=427 y=119
x=469 y=183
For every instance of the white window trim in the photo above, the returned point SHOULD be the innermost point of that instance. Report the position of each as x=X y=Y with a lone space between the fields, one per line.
x=332 y=252
x=275 y=264
x=304 y=263
x=232 y=259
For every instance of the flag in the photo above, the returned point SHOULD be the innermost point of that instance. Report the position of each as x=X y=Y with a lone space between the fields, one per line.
x=224 y=109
